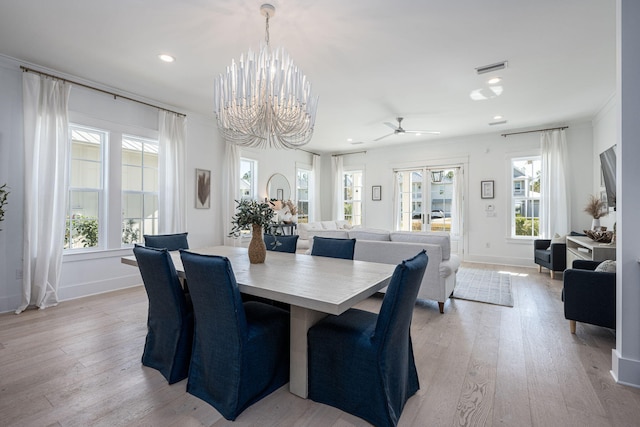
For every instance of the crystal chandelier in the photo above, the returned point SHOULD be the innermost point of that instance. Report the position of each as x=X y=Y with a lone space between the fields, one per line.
x=265 y=101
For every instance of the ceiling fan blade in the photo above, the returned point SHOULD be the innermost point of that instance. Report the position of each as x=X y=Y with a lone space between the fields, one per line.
x=382 y=137
x=432 y=132
x=391 y=125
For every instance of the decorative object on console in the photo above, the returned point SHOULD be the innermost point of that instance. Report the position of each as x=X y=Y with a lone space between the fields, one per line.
x=264 y=100
x=597 y=209
x=258 y=215
x=601 y=236
x=203 y=189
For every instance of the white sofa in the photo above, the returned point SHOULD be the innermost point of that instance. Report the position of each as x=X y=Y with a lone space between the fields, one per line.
x=394 y=247
x=306 y=231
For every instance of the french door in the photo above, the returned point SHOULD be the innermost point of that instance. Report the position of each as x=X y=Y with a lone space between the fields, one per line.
x=429 y=199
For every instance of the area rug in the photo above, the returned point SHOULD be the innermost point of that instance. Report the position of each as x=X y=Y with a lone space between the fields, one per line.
x=489 y=286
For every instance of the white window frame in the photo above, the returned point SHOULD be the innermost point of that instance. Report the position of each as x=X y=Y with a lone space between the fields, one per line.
x=526 y=197
x=345 y=201
x=111 y=202
x=309 y=171
x=252 y=182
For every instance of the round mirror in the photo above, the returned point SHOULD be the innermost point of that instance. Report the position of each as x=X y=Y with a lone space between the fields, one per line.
x=278 y=187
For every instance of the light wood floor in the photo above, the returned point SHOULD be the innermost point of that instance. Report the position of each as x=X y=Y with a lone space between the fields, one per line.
x=78 y=364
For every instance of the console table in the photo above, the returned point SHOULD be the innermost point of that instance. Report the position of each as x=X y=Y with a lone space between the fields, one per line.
x=582 y=247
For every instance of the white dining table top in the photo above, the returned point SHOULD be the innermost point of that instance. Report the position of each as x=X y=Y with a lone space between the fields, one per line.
x=328 y=285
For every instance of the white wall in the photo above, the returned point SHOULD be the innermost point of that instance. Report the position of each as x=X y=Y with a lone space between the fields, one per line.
x=485 y=157
x=604 y=136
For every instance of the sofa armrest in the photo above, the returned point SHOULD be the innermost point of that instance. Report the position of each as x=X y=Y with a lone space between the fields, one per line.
x=585 y=264
x=541 y=244
x=590 y=297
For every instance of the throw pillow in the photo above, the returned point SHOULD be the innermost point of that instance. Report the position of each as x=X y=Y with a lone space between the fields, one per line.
x=558 y=239
x=607 y=266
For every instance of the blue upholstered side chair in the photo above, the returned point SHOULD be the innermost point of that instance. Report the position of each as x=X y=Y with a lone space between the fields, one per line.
x=281 y=243
x=333 y=248
x=170 y=320
x=171 y=242
x=362 y=362
x=240 y=350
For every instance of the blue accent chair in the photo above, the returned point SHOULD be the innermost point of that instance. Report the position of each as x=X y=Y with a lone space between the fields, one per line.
x=362 y=362
x=281 y=243
x=240 y=350
x=171 y=242
x=589 y=296
x=333 y=248
x=170 y=320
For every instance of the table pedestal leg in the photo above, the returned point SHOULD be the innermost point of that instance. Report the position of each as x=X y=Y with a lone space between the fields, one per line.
x=301 y=320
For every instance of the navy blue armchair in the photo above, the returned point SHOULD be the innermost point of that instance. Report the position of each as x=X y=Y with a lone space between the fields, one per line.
x=240 y=350
x=551 y=256
x=333 y=248
x=362 y=362
x=170 y=320
x=281 y=243
x=589 y=296
x=172 y=242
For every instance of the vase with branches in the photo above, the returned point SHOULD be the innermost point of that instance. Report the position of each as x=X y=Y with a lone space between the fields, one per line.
x=596 y=208
x=257 y=216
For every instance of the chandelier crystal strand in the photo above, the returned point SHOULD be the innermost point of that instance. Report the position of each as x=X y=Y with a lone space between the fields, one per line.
x=265 y=100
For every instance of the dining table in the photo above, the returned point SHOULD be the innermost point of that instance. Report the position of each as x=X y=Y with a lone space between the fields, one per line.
x=313 y=286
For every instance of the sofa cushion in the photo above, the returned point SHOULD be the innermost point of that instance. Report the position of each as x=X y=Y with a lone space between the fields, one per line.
x=304 y=228
x=369 y=234
x=329 y=225
x=343 y=224
x=432 y=237
x=543 y=255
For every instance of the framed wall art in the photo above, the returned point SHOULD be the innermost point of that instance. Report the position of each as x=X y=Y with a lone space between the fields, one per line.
x=376 y=192
x=203 y=189
x=486 y=189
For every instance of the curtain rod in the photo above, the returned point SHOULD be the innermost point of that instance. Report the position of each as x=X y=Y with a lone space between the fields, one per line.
x=307 y=151
x=115 y=95
x=537 y=130
x=346 y=154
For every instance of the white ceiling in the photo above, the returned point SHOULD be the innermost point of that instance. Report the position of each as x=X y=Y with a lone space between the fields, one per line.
x=368 y=60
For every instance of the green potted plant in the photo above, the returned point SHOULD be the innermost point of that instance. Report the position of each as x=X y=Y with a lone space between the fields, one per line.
x=3 y=200
x=257 y=216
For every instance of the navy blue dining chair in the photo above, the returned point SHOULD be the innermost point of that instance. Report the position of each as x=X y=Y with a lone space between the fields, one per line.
x=172 y=242
x=333 y=248
x=240 y=350
x=169 y=338
x=281 y=243
x=362 y=362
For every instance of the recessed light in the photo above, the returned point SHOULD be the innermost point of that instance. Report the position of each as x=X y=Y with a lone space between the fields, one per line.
x=494 y=80
x=349 y=139
x=166 y=58
x=497 y=117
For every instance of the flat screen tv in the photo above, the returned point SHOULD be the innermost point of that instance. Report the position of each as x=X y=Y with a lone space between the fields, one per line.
x=608 y=164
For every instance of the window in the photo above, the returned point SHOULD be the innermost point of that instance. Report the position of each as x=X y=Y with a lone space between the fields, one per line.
x=302 y=194
x=525 y=196
x=85 y=197
x=248 y=176
x=139 y=188
x=101 y=216
x=352 y=196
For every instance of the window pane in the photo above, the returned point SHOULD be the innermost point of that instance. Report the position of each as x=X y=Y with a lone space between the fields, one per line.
x=131 y=178
x=526 y=180
x=132 y=205
x=150 y=206
x=150 y=179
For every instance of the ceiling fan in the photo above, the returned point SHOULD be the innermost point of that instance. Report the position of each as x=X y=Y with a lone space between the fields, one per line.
x=400 y=130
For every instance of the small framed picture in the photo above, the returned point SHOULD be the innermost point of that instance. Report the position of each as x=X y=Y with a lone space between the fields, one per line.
x=203 y=189
x=376 y=192
x=486 y=189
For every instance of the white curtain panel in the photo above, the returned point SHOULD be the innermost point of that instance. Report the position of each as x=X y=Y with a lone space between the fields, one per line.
x=554 y=201
x=314 y=186
x=230 y=189
x=171 y=199
x=396 y=200
x=456 y=202
x=337 y=169
x=46 y=148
